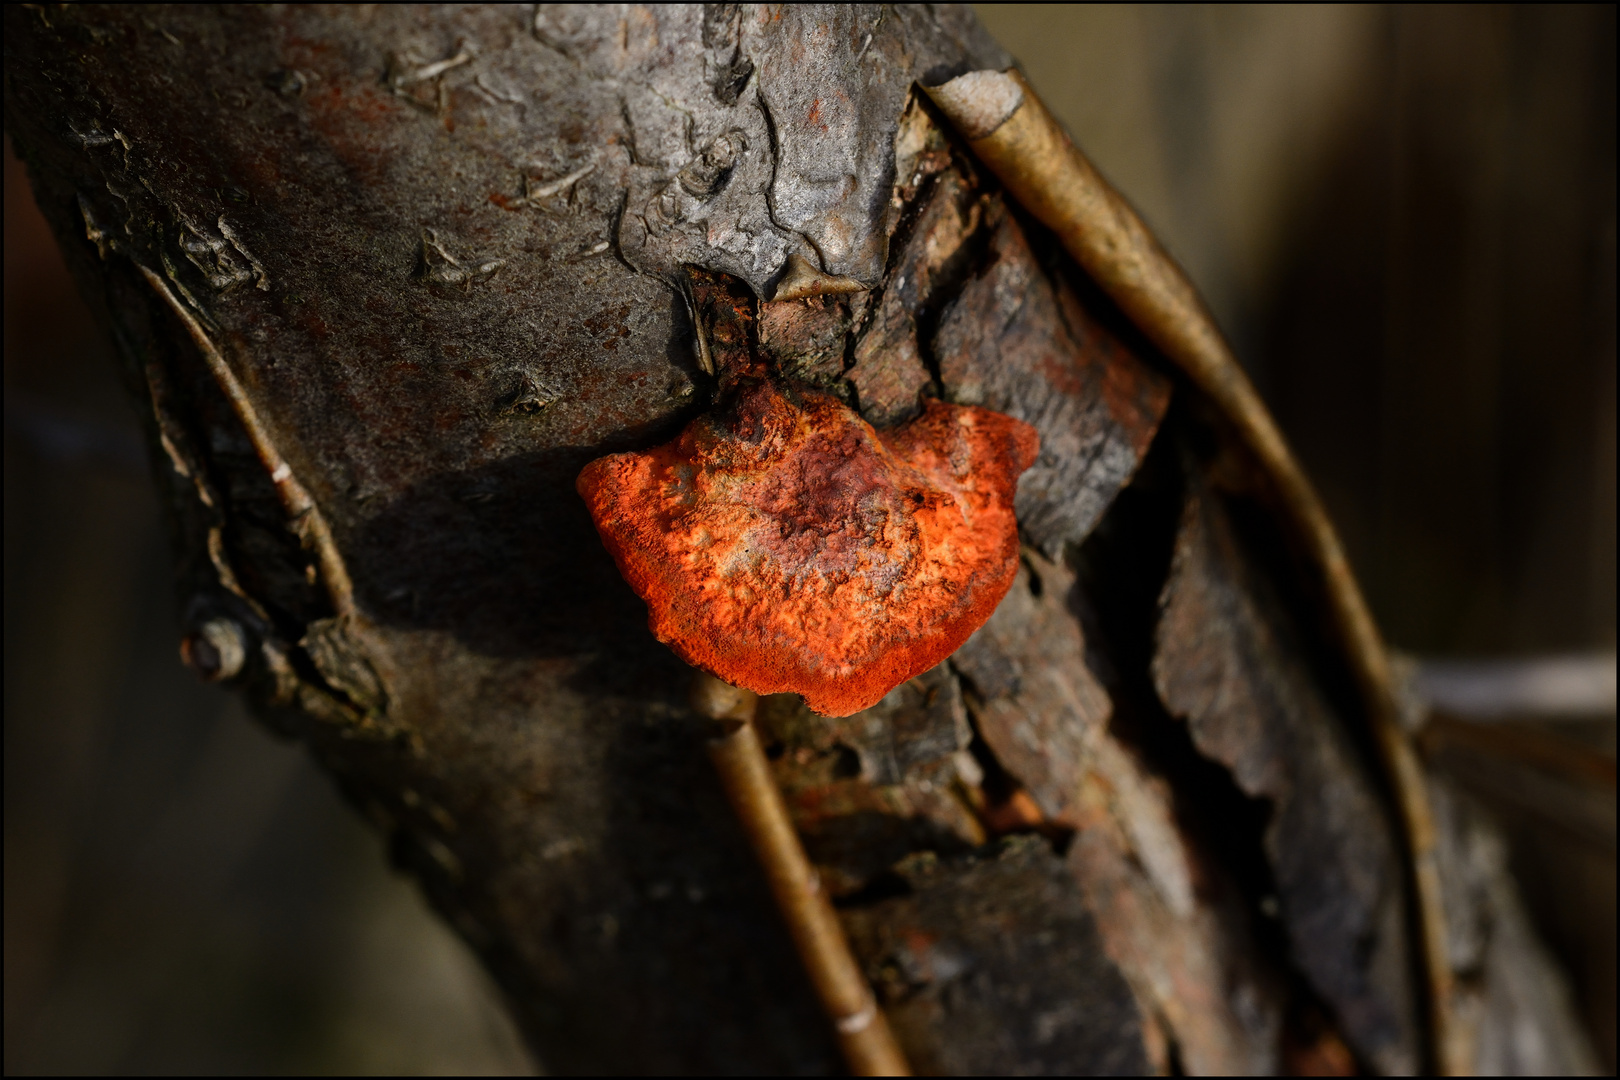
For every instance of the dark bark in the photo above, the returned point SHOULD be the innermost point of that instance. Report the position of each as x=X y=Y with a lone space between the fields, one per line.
x=384 y=279
x=1229 y=662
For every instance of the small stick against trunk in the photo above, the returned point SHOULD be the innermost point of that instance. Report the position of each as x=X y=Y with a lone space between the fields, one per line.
x=863 y=1031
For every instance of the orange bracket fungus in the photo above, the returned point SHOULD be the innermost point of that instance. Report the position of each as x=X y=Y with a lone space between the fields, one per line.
x=783 y=544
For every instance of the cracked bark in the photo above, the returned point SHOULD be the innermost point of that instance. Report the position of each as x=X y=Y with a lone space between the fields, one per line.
x=384 y=279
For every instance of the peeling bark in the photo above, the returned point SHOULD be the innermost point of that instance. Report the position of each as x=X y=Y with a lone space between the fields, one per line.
x=1230 y=663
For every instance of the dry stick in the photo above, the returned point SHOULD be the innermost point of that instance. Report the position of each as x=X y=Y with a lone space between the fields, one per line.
x=305 y=516
x=1020 y=141
x=863 y=1032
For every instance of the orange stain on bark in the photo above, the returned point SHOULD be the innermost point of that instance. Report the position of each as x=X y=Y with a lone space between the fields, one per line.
x=784 y=545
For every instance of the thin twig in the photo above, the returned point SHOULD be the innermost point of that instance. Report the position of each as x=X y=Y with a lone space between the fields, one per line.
x=863 y=1031
x=303 y=513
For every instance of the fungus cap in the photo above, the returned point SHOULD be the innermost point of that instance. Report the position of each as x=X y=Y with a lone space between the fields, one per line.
x=784 y=545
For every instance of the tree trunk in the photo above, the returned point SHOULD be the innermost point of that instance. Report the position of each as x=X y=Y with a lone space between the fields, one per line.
x=384 y=279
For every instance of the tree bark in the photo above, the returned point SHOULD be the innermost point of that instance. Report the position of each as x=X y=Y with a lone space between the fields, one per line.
x=383 y=280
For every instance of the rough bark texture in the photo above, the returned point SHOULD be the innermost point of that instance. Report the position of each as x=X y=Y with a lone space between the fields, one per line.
x=422 y=264
x=1228 y=661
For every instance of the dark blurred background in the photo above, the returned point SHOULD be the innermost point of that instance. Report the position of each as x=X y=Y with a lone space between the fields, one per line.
x=1403 y=217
